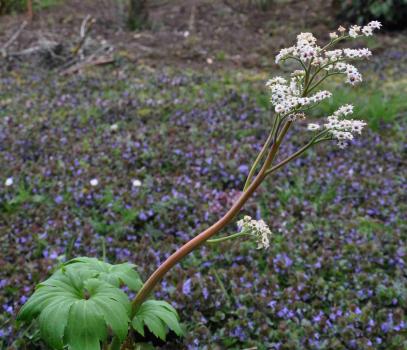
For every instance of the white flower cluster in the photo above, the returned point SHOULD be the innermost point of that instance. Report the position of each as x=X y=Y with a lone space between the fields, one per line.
x=340 y=128
x=357 y=53
x=289 y=97
x=286 y=96
x=367 y=30
x=353 y=76
x=305 y=49
x=333 y=61
x=257 y=228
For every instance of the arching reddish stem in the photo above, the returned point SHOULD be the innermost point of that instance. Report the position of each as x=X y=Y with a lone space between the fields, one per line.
x=209 y=232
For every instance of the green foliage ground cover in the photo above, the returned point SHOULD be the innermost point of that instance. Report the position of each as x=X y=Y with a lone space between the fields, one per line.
x=334 y=276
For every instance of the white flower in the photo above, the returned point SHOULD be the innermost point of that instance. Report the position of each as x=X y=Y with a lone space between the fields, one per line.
x=258 y=229
x=298 y=73
x=342 y=135
x=343 y=129
x=307 y=52
x=94 y=182
x=284 y=53
x=333 y=35
x=312 y=126
x=367 y=31
x=320 y=95
x=354 y=31
x=279 y=108
x=136 y=183
x=114 y=127
x=9 y=182
x=275 y=80
x=306 y=38
x=352 y=74
x=344 y=110
x=295 y=116
x=357 y=126
x=357 y=53
x=374 y=25
x=334 y=55
x=354 y=78
x=342 y=144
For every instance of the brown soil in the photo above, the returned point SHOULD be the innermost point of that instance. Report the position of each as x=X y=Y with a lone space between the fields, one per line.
x=214 y=35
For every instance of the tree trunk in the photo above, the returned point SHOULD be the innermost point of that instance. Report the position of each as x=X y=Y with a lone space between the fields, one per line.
x=138 y=14
x=30 y=13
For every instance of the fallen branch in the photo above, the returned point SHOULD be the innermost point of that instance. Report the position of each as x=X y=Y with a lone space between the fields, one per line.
x=86 y=27
x=95 y=61
x=13 y=38
x=43 y=46
x=68 y=56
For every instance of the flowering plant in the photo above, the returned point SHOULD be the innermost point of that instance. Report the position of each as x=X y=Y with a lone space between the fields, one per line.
x=82 y=304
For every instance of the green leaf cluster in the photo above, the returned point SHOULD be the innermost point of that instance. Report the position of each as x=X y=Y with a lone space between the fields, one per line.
x=81 y=304
x=159 y=317
x=116 y=275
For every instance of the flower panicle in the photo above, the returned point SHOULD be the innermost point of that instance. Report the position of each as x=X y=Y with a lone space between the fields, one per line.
x=256 y=228
x=296 y=95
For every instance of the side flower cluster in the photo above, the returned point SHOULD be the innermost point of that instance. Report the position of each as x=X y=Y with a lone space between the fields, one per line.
x=340 y=128
x=258 y=229
x=286 y=96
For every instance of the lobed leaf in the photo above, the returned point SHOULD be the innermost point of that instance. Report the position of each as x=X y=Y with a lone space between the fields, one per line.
x=113 y=274
x=75 y=309
x=159 y=317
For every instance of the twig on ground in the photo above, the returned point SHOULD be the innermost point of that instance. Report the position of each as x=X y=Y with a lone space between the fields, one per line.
x=43 y=46
x=92 y=61
x=13 y=38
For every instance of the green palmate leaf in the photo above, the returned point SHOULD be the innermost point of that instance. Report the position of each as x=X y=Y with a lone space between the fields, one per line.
x=53 y=321
x=159 y=317
x=155 y=325
x=138 y=325
x=75 y=309
x=113 y=274
x=85 y=328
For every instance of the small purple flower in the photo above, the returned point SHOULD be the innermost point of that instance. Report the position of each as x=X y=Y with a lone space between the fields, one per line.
x=186 y=288
x=244 y=169
x=142 y=216
x=205 y=293
x=272 y=304
x=385 y=327
x=358 y=311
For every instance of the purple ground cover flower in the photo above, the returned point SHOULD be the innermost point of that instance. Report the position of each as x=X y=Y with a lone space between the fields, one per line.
x=335 y=263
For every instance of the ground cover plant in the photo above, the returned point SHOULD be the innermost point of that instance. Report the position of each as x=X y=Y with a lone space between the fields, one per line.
x=370 y=297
